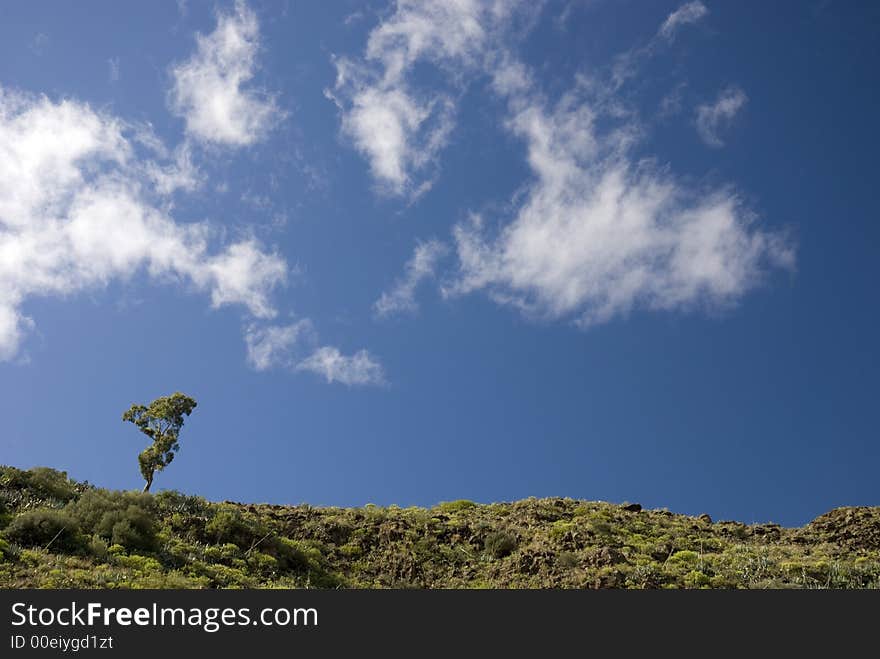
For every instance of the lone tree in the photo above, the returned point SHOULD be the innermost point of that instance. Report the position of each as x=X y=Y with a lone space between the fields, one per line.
x=161 y=422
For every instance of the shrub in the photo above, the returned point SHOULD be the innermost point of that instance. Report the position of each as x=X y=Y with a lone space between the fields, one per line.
x=51 y=484
x=174 y=502
x=39 y=528
x=98 y=548
x=684 y=556
x=143 y=564
x=603 y=530
x=231 y=525
x=132 y=528
x=696 y=579
x=456 y=506
x=5 y=515
x=560 y=528
x=120 y=518
x=19 y=488
x=296 y=555
x=500 y=544
x=13 y=478
x=262 y=563
x=222 y=554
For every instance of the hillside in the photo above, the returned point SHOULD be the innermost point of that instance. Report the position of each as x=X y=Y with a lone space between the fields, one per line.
x=59 y=533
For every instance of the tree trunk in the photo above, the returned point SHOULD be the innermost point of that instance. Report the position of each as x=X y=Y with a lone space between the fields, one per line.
x=148 y=483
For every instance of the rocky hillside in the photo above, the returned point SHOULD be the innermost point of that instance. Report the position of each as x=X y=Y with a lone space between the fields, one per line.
x=55 y=532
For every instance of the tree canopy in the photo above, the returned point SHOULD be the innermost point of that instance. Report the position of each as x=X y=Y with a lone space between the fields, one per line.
x=161 y=421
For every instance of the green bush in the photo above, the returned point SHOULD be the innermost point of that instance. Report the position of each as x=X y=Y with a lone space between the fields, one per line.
x=98 y=548
x=456 y=506
x=39 y=528
x=500 y=544
x=5 y=514
x=131 y=528
x=51 y=483
x=12 y=478
x=684 y=556
x=231 y=525
x=262 y=563
x=696 y=579
x=297 y=556
x=171 y=501
x=121 y=518
x=38 y=484
x=560 y=528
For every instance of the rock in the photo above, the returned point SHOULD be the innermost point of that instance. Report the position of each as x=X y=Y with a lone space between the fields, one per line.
x=855 y=528
x=632 y=507
x=705 y=518
x=604 y=556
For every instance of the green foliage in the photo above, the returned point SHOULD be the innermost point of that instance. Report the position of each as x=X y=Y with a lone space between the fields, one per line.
x=12 y=478
x=696 y=579
x=500 y=544
x=45 y=527
x=161 y=421
x=38 y=485
x=560 y=528
x=456 y=506
x=232 y=525
x=120 y=518
x=684 y=556
x=170 y=540
x=51 y=483
x=98 y=548
x=170 y=501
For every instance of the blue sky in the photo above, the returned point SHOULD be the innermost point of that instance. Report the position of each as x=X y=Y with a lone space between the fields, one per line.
x=406 y=252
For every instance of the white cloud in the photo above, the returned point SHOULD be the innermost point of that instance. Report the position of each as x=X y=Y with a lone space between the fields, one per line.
x=178 y=173
x=400 y=130
x=422 y=265
x=283 y=346
x=358 y=369
x=80 y=206
x=600 y=233
x=712 y=118
x=688 y=13
x=275 y=345
x=626 y=64
x=211 y=90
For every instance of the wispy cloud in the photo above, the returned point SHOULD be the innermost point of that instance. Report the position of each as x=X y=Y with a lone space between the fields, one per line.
x=357 y=369
x=82 y=204
x=292 y=347
x=421 y=266
x=212 y=91
x=399 y=129
x=275 y=346
x=687 y=14
x=627 y=63
x=712 y=118
x=601 y=232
